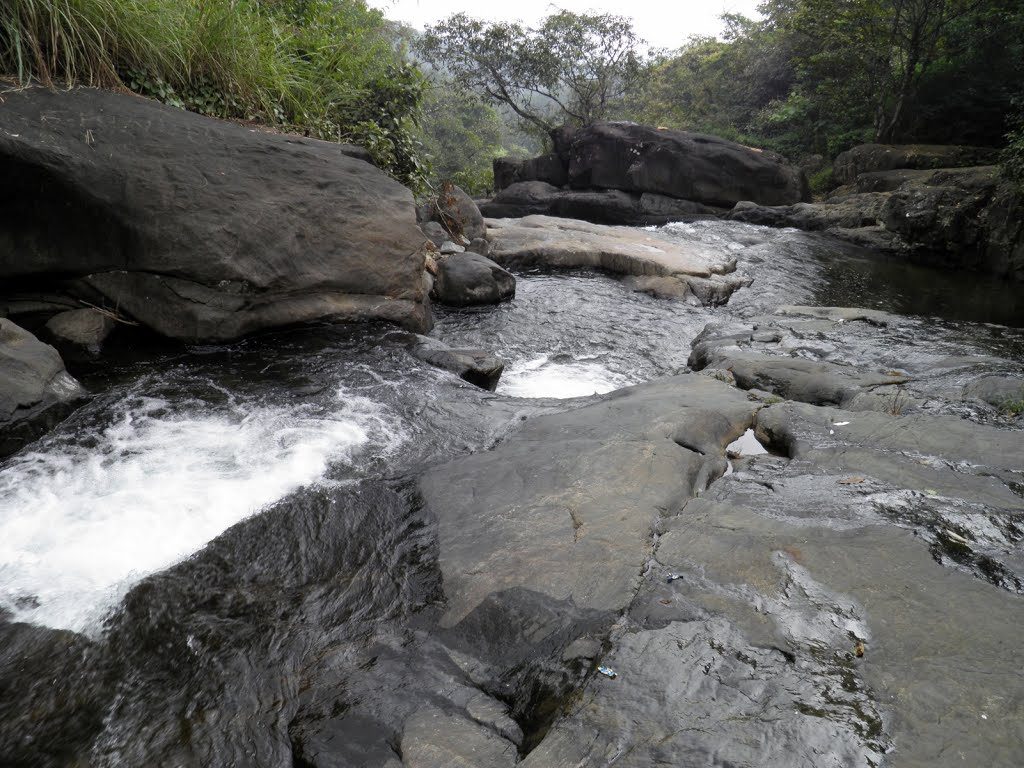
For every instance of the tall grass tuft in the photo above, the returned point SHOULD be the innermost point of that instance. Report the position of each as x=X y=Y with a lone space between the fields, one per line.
x=326 y=68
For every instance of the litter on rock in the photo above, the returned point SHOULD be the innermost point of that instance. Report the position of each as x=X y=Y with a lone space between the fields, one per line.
x=841 y=423
x=608 y=672
x=673 y=576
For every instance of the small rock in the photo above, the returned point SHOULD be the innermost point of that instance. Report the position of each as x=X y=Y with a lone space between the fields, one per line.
x=79 y=334
x=477 y=366
x=435 y=232
x=465 y=279
x=35 y=390
x=448 y=247
x=480 y=245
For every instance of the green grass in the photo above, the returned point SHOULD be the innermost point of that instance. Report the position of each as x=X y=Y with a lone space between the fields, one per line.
x=326 y=68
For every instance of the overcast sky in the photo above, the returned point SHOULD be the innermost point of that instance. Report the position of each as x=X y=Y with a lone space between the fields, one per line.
x=662 y=23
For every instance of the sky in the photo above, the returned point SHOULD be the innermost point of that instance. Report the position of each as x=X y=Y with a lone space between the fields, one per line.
x=662 y=23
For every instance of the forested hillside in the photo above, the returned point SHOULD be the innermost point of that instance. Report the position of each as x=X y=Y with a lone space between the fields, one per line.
x=809 y=78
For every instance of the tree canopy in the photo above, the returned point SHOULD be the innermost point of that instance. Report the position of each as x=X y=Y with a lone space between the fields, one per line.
x=571 y=67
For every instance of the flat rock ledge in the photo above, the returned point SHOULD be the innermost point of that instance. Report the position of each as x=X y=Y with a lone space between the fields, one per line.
x=651 y=262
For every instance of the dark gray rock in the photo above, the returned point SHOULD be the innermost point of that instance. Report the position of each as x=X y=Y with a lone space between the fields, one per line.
x=597 y=206
x=448 y=247
x=885 y=181
x=850 y=212
x=198 y=228
x=996 y=390
x=481 y=245
x=872 y=158
x=546 y=168
x=688 y=166
x=455 y=211
x=968 y=218
x=435 y=232
x=433 y=738
x=570 y=499
x=79 y=334
x=477 y=366
x=36 y=392
x=465 y=279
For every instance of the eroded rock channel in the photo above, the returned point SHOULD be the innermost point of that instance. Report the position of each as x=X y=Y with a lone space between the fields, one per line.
x=437 y=575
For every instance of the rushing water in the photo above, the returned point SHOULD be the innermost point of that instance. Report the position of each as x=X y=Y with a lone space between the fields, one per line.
x=181 y=445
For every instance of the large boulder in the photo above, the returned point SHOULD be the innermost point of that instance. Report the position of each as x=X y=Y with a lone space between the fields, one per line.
x=465 y=279
x=874 y=158
x=198 y=228
x=968 y=218
x=599 y=206
x=546 y=168
x=690 y=166
x=35 y=390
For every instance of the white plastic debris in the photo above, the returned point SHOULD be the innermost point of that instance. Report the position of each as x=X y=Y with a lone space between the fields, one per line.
x=608 y=672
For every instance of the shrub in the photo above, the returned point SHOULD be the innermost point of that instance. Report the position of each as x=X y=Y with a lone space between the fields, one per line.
x=1012 y=158
x=325 y=68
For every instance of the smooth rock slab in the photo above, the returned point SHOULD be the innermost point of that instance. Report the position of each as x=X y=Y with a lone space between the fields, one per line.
x=565 y=506
x=436 y=739
x=656 y=263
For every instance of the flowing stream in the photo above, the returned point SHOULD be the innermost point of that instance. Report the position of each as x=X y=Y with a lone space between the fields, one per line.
x=181 y=444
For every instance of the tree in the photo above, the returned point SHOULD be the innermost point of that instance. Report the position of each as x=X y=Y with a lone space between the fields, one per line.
x=572 y=68
x=461 y=134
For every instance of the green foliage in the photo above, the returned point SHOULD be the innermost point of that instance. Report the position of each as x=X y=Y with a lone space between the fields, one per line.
x=819 y=76
x=462 y=134
x=1012 y=159
x=821 y=181
x=325 y=68
x=571 y=68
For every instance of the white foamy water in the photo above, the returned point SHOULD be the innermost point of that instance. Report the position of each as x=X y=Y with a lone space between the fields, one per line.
x=79 y=524
x=542 y=378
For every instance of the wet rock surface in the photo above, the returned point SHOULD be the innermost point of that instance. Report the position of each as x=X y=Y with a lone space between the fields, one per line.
x=852 y=597
x=653 y=263
x=467 y=278
x=36 y=392
x=902 y=200
x=477 y=366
